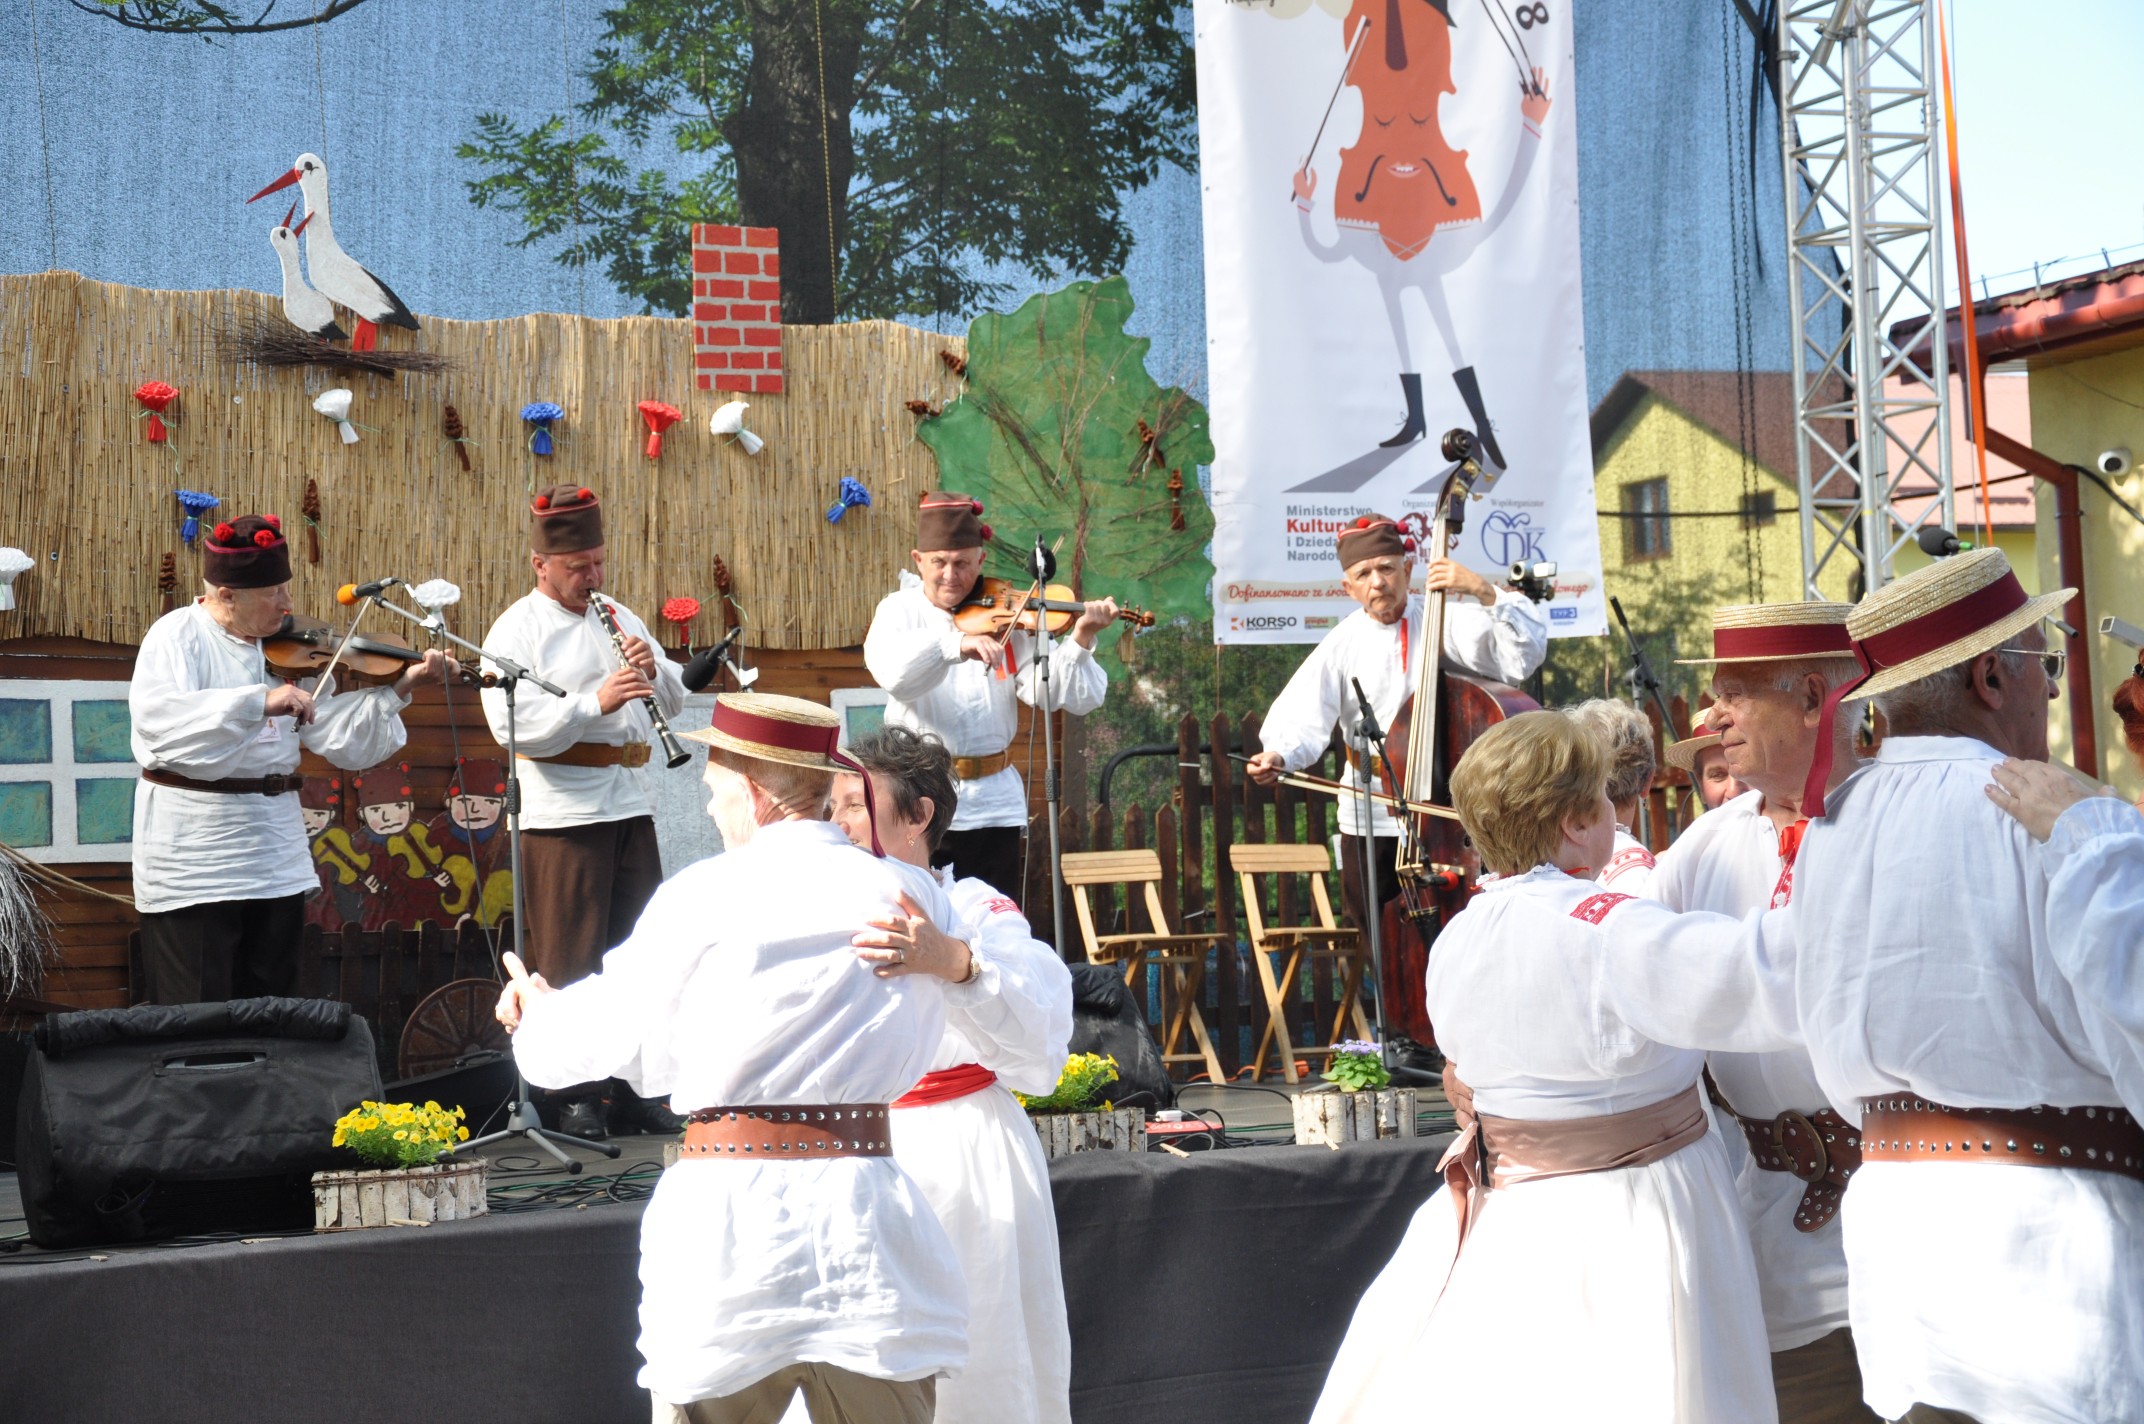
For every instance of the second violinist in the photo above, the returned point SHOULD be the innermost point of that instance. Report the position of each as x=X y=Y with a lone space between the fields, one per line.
x=963 y=688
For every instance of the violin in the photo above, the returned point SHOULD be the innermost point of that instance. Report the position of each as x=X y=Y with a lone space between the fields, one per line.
x=996 y=606
x=303 y=648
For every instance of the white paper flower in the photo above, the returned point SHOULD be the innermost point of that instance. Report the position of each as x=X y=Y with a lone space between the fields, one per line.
x=436 y=593
x=335 y=405
x=12 y=562
x=729 y=420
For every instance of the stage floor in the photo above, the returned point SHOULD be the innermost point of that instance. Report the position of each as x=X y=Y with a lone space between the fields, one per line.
x=1211 y=1287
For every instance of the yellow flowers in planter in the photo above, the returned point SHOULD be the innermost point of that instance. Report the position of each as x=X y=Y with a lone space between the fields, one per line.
x=400 y=1134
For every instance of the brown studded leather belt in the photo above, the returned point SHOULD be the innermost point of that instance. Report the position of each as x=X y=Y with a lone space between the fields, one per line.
x=596 y=754
x=789 y=1133
x=975 y=768
x=1911 y=1129
x=275 y=785
x=1819 y=1148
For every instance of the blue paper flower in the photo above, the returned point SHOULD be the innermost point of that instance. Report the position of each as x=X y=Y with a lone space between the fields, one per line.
x=540 y=414
x=853 y=495
x=196 y=503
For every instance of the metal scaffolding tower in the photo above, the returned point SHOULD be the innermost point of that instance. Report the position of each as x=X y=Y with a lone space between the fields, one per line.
x=1859 y=125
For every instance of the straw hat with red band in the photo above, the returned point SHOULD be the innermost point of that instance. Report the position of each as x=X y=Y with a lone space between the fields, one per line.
x=1682 y=755
x=565 y=519
x=1937 y=617
x=246 y=552
x=1777 y=632
x=1372 y=536
x=768 y=727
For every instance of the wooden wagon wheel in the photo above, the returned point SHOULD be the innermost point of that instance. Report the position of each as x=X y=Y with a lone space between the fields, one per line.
x=450 y=1023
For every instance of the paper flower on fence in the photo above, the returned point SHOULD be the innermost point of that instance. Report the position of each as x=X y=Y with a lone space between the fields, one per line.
x=155 y=396
x=335 y=405
x=540 y=414
x=436 y=594
x=12 y=563
x=196 y=503
x=729 y=420
x=681 y=611
x=853 y=496
x=659 y=417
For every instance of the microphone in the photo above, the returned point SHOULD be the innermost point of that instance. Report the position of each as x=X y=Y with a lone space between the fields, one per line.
x=1939 y=543
x=1042 y=561
x=350 y=593
x=706 y=663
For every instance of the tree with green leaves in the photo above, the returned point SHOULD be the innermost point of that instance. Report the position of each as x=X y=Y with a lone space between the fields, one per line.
x=923 y=141
x=1061 y=431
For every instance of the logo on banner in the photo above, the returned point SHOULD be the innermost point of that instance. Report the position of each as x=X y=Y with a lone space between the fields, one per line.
x=1261 y=622
x=1563 y=613
x=1508 y=538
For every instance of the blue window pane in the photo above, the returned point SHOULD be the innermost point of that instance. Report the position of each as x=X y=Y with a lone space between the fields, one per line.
x=104 y=810
x=26 y=813
x=102 y=731
x=25 y=731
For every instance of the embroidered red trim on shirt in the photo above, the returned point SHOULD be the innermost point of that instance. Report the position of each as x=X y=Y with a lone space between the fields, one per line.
x=1594 y=908
x=1625 y=859
x=1000 y=906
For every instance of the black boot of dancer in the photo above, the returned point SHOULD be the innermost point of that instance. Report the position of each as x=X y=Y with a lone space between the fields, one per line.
x=1416 y=427
x=1470 y=392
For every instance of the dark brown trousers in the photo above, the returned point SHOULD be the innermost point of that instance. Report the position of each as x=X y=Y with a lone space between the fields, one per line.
x=583 y=888
x=1388 y=878
x=225 y=949
x=990 y=854
x=1820 y=1382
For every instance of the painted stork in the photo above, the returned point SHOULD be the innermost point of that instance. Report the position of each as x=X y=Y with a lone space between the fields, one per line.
x=338 y=276
x=305 y=308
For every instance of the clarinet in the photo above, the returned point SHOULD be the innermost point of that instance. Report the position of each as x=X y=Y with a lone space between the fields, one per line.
x=674 y=753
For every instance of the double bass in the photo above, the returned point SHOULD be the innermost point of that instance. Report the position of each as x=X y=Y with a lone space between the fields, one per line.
x=1439 y=720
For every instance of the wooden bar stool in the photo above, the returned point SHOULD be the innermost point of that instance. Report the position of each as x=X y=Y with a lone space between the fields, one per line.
x=1181 y=957
x=1279 y=950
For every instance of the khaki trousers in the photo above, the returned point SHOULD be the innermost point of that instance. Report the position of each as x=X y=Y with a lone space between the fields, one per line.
x=1820 y=1382
x=832 y=1395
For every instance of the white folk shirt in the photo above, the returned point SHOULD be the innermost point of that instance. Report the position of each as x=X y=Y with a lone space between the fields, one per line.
x=1504 y=642
x=1916 y=959
x=739 y=986
x=1015 y=1016
x=574 y=651
x=198 y=704
x=2095 y=920
x=1630 y=865
x=913 y=651
x=1728 y=862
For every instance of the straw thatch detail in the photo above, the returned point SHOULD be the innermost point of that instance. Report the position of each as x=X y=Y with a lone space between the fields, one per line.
x=76 y=476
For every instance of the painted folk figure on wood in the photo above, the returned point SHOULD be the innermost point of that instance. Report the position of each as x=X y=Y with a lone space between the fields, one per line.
x=395 y=867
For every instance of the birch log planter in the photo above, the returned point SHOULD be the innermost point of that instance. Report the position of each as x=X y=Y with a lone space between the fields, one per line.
x=1328 y=1117
x=400 y=1196
x=1062 y=1134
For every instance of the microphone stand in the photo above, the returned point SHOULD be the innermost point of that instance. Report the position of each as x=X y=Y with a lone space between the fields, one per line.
x=1042 y=563
x=1369 y=734
x=522 y=1120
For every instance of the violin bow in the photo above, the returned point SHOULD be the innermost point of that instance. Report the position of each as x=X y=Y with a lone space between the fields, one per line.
x=1353 y=49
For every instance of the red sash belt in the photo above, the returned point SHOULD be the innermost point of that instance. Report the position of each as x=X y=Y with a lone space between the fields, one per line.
x=945 y=1085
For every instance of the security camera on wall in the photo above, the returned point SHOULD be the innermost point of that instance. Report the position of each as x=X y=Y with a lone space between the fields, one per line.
x=2116 y=461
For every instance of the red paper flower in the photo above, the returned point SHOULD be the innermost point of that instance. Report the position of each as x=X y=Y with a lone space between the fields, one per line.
x=681 y=610
x=660 y=417
x=155 y=396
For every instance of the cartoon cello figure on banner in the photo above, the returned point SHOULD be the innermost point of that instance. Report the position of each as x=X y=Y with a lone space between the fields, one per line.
x=1405 y=206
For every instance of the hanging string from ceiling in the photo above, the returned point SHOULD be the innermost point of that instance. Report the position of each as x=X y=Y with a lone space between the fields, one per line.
x=37 y=65
x=1738 y=178
x=826 y=163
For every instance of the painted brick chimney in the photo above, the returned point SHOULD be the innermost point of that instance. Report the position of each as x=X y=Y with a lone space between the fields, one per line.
x=737 y=308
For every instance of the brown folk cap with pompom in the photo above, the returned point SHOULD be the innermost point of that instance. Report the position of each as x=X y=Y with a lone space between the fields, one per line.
x=565 y=519
x=246 y=552
x=1371 y=536
x=384 y=785
x=945 y=520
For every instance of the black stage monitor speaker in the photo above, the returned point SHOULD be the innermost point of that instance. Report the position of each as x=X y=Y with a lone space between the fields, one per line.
x=1107 y=1020
x=177 y=1119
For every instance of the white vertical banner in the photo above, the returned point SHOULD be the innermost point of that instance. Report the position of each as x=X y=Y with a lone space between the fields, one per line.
x=1391 y=212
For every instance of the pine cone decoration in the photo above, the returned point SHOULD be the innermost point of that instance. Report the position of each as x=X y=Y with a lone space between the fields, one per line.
x=1176 y=501
x=167 y=581
x=920 y=408
x=954 y=362
x=311 y=510
x=450 y=423
x=722 y=588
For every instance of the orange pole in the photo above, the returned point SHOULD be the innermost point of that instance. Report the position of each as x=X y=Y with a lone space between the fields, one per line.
x=1976 y=376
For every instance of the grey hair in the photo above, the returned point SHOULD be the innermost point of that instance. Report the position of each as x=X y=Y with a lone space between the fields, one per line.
x=1629 y=739
x=1929 y=704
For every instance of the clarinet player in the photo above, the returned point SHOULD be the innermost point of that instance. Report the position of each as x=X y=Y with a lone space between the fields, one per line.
x=588 y=850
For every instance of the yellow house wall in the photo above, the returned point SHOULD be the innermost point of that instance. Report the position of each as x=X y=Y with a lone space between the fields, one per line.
x=2080 y=408
x=1710 y=562
x=2019 y=546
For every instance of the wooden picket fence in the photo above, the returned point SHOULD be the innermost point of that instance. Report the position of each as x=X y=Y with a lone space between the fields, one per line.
x=1213 y=806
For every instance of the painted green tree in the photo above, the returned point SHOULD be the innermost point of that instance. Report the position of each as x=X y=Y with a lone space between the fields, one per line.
x=1063 y=432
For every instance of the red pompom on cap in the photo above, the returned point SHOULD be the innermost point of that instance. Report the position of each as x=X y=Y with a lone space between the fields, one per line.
x=225 y=533
x=543 y=501
x=264 y=538
x=584 y=494
x=989 y=533
x=976 y=505
x=273 y=521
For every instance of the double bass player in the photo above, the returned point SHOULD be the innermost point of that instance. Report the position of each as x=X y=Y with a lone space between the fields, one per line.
x=1490 y=633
